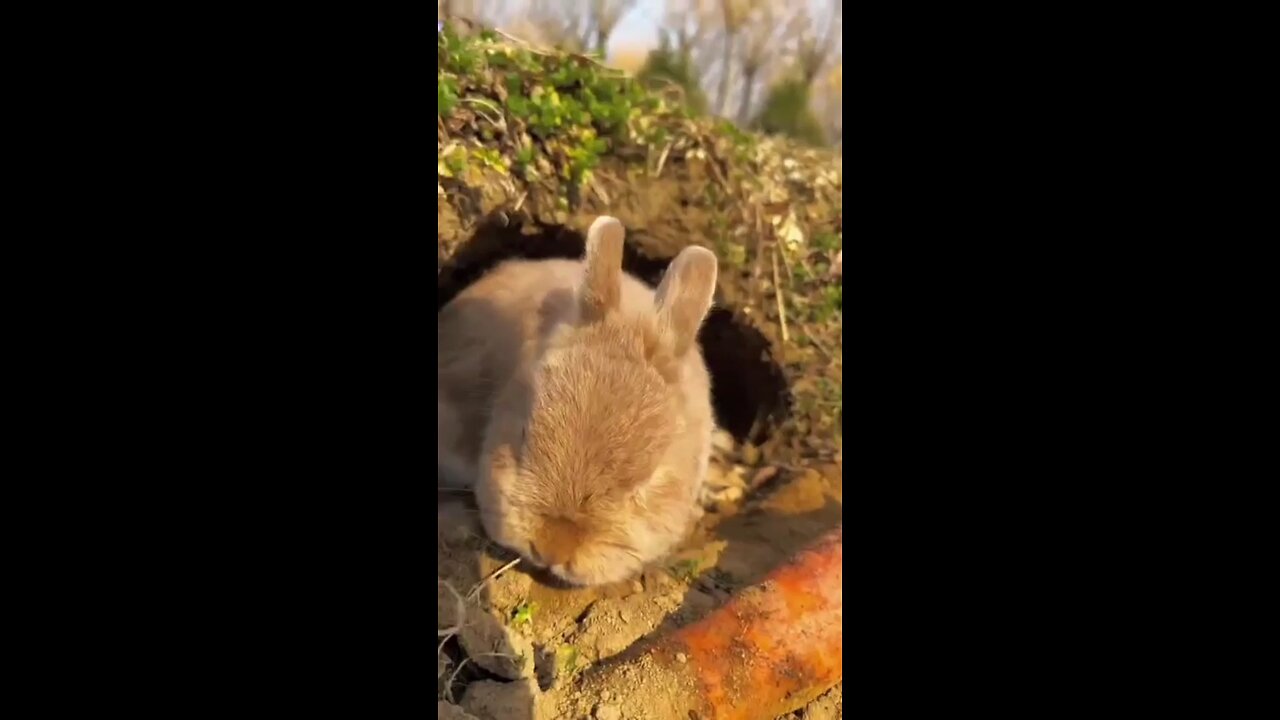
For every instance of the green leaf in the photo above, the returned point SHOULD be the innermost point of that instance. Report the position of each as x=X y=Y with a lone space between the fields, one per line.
x=524 y=614
x=566 y=659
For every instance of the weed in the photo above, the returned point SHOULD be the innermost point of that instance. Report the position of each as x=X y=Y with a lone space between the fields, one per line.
x=523 y=614
x=686 y=570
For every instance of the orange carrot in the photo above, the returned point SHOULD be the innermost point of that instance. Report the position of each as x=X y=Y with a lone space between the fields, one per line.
x=770 y=650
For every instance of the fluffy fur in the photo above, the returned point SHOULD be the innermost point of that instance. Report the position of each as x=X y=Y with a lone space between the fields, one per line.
x=577 y=398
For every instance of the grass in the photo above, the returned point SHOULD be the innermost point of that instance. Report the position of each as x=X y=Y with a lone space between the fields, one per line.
x=556 y=136
x=512 y=109
x=686 y=570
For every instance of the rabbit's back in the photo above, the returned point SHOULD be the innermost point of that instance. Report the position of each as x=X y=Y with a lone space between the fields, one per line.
x=483 y=335
x=495 y=325
x=493 y=330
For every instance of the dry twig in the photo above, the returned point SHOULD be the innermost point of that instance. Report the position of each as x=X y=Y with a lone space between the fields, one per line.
x=662 y=159
x=777 y=295
x=476 y=590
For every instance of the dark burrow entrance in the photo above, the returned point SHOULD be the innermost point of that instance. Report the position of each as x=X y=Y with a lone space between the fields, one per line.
x=749 y=391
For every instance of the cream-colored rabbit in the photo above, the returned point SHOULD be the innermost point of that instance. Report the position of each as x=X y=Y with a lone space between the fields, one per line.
x=578 y=398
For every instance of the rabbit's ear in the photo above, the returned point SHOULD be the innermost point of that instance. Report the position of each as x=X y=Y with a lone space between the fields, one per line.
x=602 y=289
x=684 y=296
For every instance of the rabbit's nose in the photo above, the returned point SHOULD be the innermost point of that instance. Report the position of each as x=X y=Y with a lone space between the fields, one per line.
x=545 y=558
x=557 y=542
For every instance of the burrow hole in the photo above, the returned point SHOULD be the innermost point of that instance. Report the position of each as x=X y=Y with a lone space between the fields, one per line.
x=749 y=392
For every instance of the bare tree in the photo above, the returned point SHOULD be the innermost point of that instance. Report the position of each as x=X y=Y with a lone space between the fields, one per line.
x=686 y=26
x=760 y=34
x=606 y=15
x=814 y=46
x=484 y=11
x=827 y=101
x=732 y=15
x=559 y=25
x=579 y=27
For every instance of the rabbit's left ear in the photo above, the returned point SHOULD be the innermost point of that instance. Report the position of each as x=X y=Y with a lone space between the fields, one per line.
x=601 y=291
x=684 y=296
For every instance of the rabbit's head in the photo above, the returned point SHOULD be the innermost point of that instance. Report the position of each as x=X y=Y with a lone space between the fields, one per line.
x=576 y=469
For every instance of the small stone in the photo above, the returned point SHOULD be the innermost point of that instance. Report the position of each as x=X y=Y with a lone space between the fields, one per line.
x=447 y=711
x=450 y=606
x=608 y=712
x=605 y=695
x=681 y=657
x=750 y=454
x=490 y=699
x=637 y=586
x=494 y=646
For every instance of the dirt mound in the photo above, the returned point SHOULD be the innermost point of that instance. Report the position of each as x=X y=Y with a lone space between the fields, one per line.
x=520 y=615
x=531 y=147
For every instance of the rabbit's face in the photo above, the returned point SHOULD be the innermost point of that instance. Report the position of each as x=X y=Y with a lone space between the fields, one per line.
x=569 y=485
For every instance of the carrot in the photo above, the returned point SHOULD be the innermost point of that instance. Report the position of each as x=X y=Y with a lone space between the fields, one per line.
x=770 y=650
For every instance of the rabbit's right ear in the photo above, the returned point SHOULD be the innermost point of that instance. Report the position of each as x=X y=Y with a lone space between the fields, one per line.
x=601 y=291
x=684 y=296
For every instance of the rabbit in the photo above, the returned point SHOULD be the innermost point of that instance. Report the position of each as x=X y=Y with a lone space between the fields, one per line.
x=578 y=399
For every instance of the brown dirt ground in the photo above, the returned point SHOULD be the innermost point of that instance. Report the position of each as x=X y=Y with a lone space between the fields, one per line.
x=523 y=641
x=571 y=629
x=478 y=226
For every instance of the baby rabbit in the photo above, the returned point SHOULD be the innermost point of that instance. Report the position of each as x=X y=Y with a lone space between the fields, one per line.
x=581 y=398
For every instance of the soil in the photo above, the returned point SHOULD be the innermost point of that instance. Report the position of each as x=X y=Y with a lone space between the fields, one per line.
x=519 y=615
x=772 y=368
x=514 y=643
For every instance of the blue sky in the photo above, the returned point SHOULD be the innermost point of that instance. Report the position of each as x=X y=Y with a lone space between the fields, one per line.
x=639 y=27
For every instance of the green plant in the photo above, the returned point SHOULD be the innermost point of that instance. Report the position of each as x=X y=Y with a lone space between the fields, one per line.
x=446 y=94
x=786 y=112
x=686 y=570
x=557 y=113
x=523 y=614
x=566 y=659
x=666 y=67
